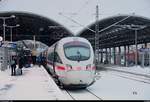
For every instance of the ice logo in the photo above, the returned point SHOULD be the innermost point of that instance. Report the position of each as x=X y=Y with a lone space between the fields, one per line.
x=134 y=93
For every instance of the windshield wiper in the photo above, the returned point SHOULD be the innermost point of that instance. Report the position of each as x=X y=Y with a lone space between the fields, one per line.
x=79 y=56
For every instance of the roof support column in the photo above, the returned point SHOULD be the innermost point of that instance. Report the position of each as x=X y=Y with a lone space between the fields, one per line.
x=101 y=55
x=128 y=55
x=119 y=56
x=98 y=55
x=114 y=54
x=125 y=59
x=109 y=55
x=142 y=58
x=106 y=60
x=149 y=58
x=146 y=53
x=145 y=45
x=146 y=57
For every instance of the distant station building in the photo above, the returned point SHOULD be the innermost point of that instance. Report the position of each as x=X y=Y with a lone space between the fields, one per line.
x=7 y=50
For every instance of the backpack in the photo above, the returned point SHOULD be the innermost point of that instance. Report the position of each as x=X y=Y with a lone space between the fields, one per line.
x=12 y=62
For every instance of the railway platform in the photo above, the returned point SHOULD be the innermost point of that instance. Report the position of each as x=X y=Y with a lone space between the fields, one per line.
x=34 y=84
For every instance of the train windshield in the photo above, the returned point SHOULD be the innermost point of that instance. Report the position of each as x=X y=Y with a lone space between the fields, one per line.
x=78 y=52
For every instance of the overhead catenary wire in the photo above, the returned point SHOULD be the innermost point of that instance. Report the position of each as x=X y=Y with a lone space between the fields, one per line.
x=76 y=22
x=115 y=23
x=82 y=7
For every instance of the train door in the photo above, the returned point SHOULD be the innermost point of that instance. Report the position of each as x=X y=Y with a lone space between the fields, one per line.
x=54 y=58
x=57 y=65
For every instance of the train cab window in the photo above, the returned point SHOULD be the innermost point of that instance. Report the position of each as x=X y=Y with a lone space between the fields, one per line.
x=78 y=52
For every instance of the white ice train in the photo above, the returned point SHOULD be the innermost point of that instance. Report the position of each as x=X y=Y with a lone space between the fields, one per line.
x=71 y=62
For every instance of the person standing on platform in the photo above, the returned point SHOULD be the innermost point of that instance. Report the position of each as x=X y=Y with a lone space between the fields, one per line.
x=13 y=65
x=21 y=64
x=39 y=60
x=33 y=55
x=43 y=60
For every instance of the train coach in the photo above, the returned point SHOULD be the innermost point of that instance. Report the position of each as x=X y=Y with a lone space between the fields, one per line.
x=71 y=62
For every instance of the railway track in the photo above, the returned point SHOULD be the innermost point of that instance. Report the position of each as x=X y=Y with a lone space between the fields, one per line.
x=133 y=77
x=83 y=94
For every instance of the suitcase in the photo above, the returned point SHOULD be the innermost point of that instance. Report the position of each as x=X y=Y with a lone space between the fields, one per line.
x=27 y=65
x=18 y=71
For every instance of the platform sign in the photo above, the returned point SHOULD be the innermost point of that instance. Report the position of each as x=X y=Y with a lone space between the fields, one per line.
x=144 y=50
x=12 y=45
x=1 y=39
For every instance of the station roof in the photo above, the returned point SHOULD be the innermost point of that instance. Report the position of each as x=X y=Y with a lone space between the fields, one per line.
x=45 y=30
x=119 y=31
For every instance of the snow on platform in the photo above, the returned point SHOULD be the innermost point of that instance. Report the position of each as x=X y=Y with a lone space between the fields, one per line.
x=34 y=84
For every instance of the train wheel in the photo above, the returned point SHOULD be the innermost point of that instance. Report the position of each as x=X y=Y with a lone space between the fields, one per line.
x=61 y=86
x=58 y=82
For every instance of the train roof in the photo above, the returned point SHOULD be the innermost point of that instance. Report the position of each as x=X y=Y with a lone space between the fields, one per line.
x=68 y=39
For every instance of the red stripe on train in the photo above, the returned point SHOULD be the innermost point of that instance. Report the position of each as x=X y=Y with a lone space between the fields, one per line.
x=60 y=68
x=94 y=68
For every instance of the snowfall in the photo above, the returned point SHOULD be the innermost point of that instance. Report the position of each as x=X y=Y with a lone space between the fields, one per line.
x=36 y=84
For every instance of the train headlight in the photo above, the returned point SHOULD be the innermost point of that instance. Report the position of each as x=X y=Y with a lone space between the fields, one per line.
x=69 y=67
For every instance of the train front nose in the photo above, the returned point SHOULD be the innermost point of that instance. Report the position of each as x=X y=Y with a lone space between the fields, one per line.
x=79 y=76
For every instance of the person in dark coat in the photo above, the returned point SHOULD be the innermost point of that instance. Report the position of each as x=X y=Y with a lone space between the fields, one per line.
x=34 y=59
x=13 y=65
x=39 y=60
x=21 y=63
x=43 y=60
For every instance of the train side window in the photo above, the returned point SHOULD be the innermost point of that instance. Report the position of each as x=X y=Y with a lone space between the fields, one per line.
x=57 y=58
x=51 y=56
